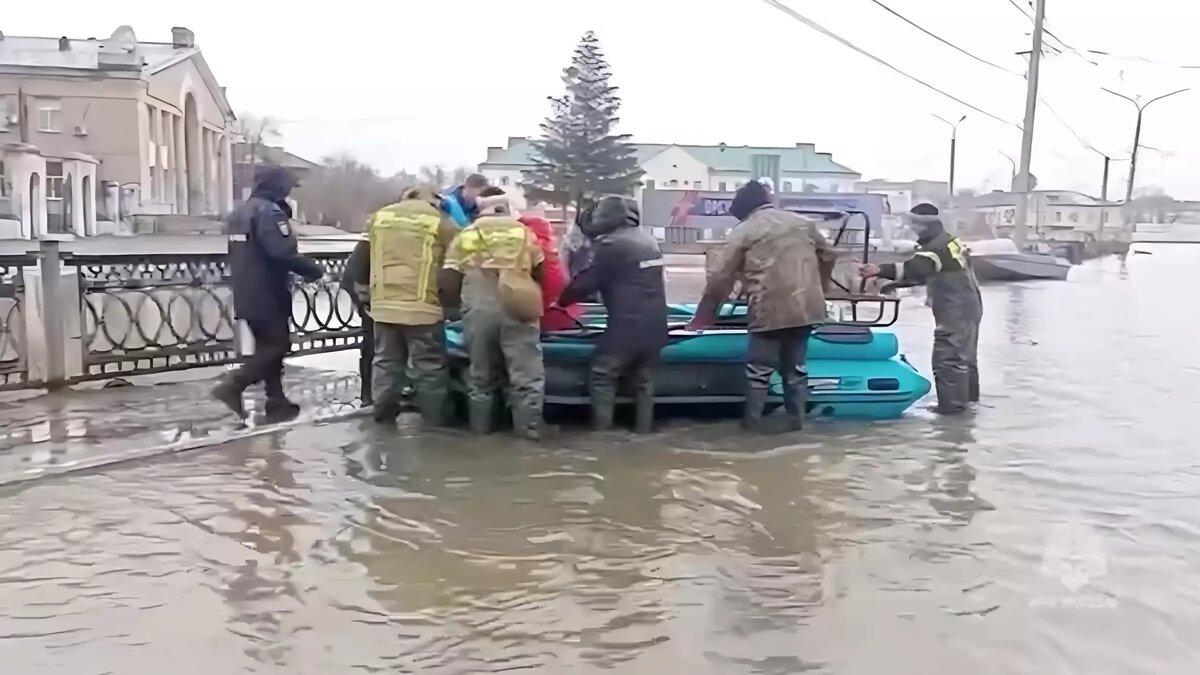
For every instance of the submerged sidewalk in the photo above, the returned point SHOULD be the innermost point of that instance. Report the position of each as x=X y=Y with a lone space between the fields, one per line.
x=88 y=427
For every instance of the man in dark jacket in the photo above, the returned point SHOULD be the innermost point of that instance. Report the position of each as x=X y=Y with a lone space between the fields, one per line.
x=785 y=265
x=356 y=281
x=626 y=268
x=942 y=265
x=262 y=257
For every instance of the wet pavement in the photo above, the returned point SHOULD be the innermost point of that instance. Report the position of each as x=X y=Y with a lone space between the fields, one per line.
x=1055 y=530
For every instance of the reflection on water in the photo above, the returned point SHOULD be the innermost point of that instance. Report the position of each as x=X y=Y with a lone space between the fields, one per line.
x=918 y=546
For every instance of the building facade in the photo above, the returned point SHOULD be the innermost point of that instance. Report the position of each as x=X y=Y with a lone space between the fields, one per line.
x=719 y=168
x=1053 y=215
x=93 y=132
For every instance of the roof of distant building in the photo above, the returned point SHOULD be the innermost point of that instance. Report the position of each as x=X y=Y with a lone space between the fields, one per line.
x=269 y=154
x=801 y=158
x=120 y=52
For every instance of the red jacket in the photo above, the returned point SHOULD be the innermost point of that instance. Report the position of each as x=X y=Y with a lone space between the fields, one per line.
x=553 y=278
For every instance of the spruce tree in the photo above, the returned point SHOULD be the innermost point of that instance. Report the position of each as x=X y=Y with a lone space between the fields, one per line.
x=579 y=155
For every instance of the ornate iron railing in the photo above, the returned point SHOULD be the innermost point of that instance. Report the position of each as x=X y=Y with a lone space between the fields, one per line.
x=158 y=313
x=14 y=360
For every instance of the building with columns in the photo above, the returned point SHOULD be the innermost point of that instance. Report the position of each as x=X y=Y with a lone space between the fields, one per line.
x=95 y=133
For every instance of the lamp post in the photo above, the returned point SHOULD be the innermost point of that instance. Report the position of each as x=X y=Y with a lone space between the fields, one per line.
x=1137 y=132
x=953 y=146
x=1012 y=179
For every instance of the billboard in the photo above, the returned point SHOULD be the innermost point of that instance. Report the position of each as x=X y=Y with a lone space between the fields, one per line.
x=709 y=210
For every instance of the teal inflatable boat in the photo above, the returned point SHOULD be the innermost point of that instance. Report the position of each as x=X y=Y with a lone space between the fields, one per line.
x=855 y=369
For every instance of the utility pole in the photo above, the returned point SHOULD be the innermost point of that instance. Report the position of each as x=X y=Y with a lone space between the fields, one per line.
x=953 y=154
x=1137 y=133
x=1104 y=181
x=1035 y=64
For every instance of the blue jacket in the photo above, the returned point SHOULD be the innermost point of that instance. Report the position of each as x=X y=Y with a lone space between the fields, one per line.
x=456 y=206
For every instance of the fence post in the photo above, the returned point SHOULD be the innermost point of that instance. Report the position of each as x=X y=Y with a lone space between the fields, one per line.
x=53 y=312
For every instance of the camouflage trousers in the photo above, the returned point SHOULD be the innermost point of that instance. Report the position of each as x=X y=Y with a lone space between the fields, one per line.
x=502 y=349
x=396 y=346
x=955 y=362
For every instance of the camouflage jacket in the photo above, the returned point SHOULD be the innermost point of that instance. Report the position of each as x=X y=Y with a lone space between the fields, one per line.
x=778 y=256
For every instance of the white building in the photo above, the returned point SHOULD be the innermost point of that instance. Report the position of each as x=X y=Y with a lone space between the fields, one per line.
x=1053 y=215
x=696 y=167
x=93 y=131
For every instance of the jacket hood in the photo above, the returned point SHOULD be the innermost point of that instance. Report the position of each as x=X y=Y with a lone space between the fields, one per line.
x=274 y=183
x=610 y=214
x=540 y=226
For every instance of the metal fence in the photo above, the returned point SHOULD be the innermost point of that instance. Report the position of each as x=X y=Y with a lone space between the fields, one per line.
x=157 y=313
x=14 y=354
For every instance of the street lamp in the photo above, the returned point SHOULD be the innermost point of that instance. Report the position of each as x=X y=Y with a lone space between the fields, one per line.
x=1137 y=132
x=1012 y=181
x=953 y=146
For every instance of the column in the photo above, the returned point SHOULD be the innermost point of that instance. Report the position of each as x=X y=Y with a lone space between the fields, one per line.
x=226 y=165
x=180 y=156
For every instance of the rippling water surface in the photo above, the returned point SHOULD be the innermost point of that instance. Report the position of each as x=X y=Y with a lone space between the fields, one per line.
x=1054 y=531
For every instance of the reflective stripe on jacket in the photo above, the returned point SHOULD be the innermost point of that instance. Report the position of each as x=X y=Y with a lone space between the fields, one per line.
x=408 y=244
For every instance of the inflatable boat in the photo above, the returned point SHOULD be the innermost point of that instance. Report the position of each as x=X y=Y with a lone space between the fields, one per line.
x=855 y=368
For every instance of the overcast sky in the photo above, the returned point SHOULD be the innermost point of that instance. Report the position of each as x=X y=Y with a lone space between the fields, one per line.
x=408 y=82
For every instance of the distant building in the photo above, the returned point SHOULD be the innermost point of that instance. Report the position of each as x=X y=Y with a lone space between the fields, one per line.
x=900 y=196
x=1053 y=215
x=95 y=132
x=718 y=168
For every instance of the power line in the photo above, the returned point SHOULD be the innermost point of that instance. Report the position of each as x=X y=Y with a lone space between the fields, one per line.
x=1082 y=141
x=942 y=40
x=1143 y=59
x=834 y=36
x=1062 y=43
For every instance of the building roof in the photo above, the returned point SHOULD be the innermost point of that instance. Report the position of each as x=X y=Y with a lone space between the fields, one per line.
x=120 y=52
x=269 y=154
x=802 y=158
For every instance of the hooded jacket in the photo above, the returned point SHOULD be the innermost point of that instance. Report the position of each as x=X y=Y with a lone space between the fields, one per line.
x=263 y=252
x=626 y=268
x=783 y=261
x=553 y=279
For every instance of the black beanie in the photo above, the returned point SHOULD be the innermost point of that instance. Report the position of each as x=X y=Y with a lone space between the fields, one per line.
x=749 y=197
x=924 y=209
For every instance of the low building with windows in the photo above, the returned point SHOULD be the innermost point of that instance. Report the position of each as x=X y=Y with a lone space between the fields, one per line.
x=1052 y=215
x=95 y=133
x=719 y=168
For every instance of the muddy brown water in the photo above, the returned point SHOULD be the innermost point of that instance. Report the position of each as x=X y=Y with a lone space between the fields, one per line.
x=1057 y=530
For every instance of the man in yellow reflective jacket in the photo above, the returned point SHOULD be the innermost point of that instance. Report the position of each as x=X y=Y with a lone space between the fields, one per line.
x=408 y=242
x=501 y=345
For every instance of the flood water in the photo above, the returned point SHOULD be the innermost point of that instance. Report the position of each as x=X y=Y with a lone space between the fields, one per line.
x=1057 y=530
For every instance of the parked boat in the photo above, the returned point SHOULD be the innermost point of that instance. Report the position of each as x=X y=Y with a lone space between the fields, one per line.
x=1001 y=260
x=855 y=370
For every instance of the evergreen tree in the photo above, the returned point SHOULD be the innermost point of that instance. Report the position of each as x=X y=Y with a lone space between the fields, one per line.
x=579 y=155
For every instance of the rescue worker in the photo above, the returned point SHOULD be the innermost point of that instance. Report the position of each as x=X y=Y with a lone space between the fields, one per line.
x=408 y=242
x=626 y=269
x=356 y=281
x=492 y=272
x=943 y=266
x=263 y=255
x=785 y=265
x=460 y=202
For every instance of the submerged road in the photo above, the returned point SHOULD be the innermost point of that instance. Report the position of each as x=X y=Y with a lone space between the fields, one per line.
x=1056 y=530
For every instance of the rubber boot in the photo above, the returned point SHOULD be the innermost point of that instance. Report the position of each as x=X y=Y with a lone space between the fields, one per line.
x=230 y=394
x=644 y=416
x=951 y=390
x=481 y=416
x=973 y=385
x=433 y=407
x=752 y=414
x=527 y=423
x=795 y=402
x=604 y=404
x=280 y=409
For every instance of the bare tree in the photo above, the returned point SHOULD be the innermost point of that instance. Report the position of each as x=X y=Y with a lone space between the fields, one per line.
x=345 y=190
x=256 y=133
